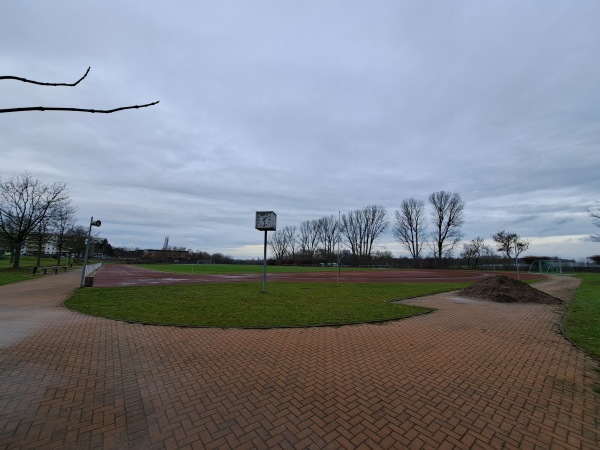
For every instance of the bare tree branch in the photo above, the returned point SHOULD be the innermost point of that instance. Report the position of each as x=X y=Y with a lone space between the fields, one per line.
x=25 y=80
x=595 y=215
x=52 y=108
x=100 y=111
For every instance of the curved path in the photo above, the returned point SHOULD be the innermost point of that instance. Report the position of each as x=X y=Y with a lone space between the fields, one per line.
x=473 y=375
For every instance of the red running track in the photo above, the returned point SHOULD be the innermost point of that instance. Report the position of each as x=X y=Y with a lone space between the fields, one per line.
x=127 y=275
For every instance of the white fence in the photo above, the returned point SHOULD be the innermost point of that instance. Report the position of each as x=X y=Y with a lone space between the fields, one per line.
x=90 y=269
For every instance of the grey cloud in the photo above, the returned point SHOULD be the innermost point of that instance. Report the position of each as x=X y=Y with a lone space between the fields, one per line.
x=308 y=108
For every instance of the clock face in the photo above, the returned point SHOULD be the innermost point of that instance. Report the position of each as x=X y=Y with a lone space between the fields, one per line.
x=266 y=220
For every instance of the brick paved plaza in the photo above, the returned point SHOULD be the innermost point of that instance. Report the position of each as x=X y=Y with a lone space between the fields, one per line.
x=472 y=375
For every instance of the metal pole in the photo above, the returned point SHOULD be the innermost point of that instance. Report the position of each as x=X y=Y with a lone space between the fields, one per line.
x=265 y=265
x=87 y=249
x=560 y=266
x=517 y=261
x=339 y=259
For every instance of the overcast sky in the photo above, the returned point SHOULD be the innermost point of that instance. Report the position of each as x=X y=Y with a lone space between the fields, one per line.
x=308 y=108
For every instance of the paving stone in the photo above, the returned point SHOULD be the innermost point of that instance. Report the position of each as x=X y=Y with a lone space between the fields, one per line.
x=470 y=375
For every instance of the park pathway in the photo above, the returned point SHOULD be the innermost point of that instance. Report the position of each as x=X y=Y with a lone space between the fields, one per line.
x=472 y=375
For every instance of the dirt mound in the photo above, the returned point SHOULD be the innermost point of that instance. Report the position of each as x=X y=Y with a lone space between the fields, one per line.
x=503 y=289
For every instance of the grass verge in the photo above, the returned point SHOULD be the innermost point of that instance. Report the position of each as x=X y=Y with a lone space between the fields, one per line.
x=244 y=305
x=582 y=322
x=9 y=275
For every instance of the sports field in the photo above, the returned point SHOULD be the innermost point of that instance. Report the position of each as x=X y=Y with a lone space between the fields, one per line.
x=232 y=296
x=130 y=275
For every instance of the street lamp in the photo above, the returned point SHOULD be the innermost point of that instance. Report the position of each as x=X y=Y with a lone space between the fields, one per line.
x=93 y=223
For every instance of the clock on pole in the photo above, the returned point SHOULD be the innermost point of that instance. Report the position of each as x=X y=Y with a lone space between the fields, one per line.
x=265 y=221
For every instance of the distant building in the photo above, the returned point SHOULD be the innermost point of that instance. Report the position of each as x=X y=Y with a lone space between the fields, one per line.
x=166 y=255
x=30 y=247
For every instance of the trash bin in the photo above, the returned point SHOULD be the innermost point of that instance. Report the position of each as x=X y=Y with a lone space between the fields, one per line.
x=89 y=282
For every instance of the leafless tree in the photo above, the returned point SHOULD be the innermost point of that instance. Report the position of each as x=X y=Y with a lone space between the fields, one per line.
x=473 y=251
x=329 y=236
x=510 y=244
x=25 y=203
x=41 y=235
x=290 y=237
x=4 y=244
x=595 y=215
x=447 y=218
x=53 y=229
x=62 y=220
x=409 y=227
x=76 y=240
x=383 y=257
x=278 y=243
x=308 y=237
x=362 y=227
x=52 y=108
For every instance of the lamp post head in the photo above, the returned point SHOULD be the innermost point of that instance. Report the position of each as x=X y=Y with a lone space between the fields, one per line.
x=96 y=223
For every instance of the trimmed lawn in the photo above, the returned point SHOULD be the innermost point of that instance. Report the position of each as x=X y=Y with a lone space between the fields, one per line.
x=10 y=275
x=582 y=323
x=244 y=305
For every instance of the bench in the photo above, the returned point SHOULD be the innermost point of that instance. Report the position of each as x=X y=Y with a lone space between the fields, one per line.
x=55 y=269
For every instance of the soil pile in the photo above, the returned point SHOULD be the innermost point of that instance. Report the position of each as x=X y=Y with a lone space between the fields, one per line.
x=503 y=289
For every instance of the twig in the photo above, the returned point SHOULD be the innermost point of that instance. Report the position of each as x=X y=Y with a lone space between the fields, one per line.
x=25 y=80
x=51 y=108
x=100 y=111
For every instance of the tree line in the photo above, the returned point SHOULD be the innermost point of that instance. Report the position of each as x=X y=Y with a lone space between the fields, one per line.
x=357 y=232
x=33 y=211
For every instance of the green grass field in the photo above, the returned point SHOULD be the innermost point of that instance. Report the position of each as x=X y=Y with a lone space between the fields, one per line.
x=244 y=305
x=582 y=322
